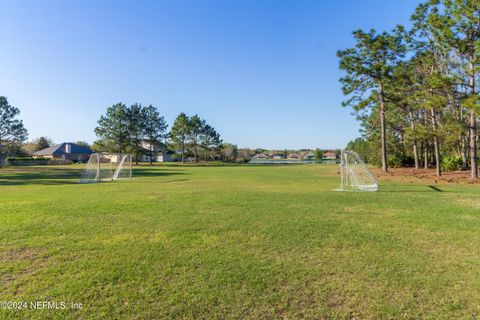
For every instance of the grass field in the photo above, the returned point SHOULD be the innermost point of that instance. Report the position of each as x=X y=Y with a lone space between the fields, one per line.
x=245 y=241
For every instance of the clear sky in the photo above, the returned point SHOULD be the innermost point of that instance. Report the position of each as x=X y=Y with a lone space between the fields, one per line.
x=263 y=73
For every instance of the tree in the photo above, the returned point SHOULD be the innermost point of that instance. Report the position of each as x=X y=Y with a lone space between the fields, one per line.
x=229 y=152
x=368 y=66
x=113 y=129
x=209 y=139
x=135 y=118
x=155 y=128
x=318 y=154
x=83 y=144
x=42 y=143
x=195 y=124
x=460 y=25
x=180 y=133
x=12 y=131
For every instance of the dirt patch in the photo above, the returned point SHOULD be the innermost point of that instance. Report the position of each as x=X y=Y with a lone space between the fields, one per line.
x=474 y=203
x=424 y=175
x=25 y=261
x=13 y=255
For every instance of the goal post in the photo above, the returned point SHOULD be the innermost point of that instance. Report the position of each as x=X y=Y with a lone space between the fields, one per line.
x=107 y=167
x=354 y=175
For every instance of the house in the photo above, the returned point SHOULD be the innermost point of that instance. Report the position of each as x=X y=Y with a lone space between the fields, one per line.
x=294 y=156
x=155 y=153
x=65 y=151
x=260 y=156
x=278 y=157
x=329 y=155
x=309 y=156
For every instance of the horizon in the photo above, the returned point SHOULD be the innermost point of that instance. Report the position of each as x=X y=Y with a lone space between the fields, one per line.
x=264 y=74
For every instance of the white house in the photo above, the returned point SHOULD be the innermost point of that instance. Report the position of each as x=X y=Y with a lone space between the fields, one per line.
x=157 y=153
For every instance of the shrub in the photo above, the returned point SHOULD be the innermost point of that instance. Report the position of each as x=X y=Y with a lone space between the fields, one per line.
x=24 y=158
x=397 y=161
x=452 y=163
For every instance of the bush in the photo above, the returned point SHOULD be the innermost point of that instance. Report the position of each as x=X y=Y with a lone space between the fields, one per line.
x=452 y=163
x=24 y=158
x=59 y=162
x=397 y=161
x=29 y=161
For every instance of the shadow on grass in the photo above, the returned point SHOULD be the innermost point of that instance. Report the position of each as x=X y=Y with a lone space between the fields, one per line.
x=62 y=176
x=410 y=188
x=156 y=172
x=180 y=165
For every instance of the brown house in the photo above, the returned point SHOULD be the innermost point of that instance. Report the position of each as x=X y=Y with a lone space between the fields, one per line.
x=329 y=155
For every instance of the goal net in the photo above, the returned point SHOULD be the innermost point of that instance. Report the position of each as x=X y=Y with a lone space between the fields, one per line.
x=107 y=167
x=354 y=174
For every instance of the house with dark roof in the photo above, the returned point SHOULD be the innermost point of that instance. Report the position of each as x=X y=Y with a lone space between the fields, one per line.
x=65 y=151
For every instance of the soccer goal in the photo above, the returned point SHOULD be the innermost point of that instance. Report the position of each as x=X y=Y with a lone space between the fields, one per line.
x=354 y=174
x=107 y=167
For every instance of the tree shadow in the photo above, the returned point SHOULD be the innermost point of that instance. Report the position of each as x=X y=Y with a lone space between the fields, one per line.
x=46 y=175
x=39 y=175
x=156 y=172
x=410 y=188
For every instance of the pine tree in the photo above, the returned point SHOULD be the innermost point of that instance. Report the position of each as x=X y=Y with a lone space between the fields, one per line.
x=368 y=67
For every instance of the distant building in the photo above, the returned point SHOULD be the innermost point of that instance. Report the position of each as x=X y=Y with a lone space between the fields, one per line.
x=294 y=156
x=329 y=155
x=278 y=157
x=309 y=156
x=65 y=151
x=158 y=153
x=260 y=156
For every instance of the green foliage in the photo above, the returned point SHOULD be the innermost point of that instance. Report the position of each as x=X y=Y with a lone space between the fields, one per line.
x=180 y=133
x=452 y=163
x=154 y=126
x=123 y=129
x=195 y=124
x=42 y=143
x=366 y=149
x=400 y=160
x=209 y=140
x=26 y=161
x=113 y=128
x=431 y=94
x=229 y=152
x=192 y=135
x=24 y=158
x=83 y=144
x=318 y=154
x=12 y=131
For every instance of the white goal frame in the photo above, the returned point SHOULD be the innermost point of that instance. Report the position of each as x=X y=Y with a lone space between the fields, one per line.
x=107 y=167
x=354 y=175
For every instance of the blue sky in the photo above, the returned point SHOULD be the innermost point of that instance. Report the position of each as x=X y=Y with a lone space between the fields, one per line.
x=263 y=73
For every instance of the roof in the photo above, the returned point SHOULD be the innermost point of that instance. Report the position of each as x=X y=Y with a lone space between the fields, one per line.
x=60 y=149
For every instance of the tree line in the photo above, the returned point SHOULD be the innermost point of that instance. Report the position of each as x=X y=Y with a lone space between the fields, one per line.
x=415 y=91
x=130 y=128
x=12 y=131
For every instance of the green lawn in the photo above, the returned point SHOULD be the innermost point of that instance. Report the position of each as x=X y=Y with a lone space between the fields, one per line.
x=245 y=241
